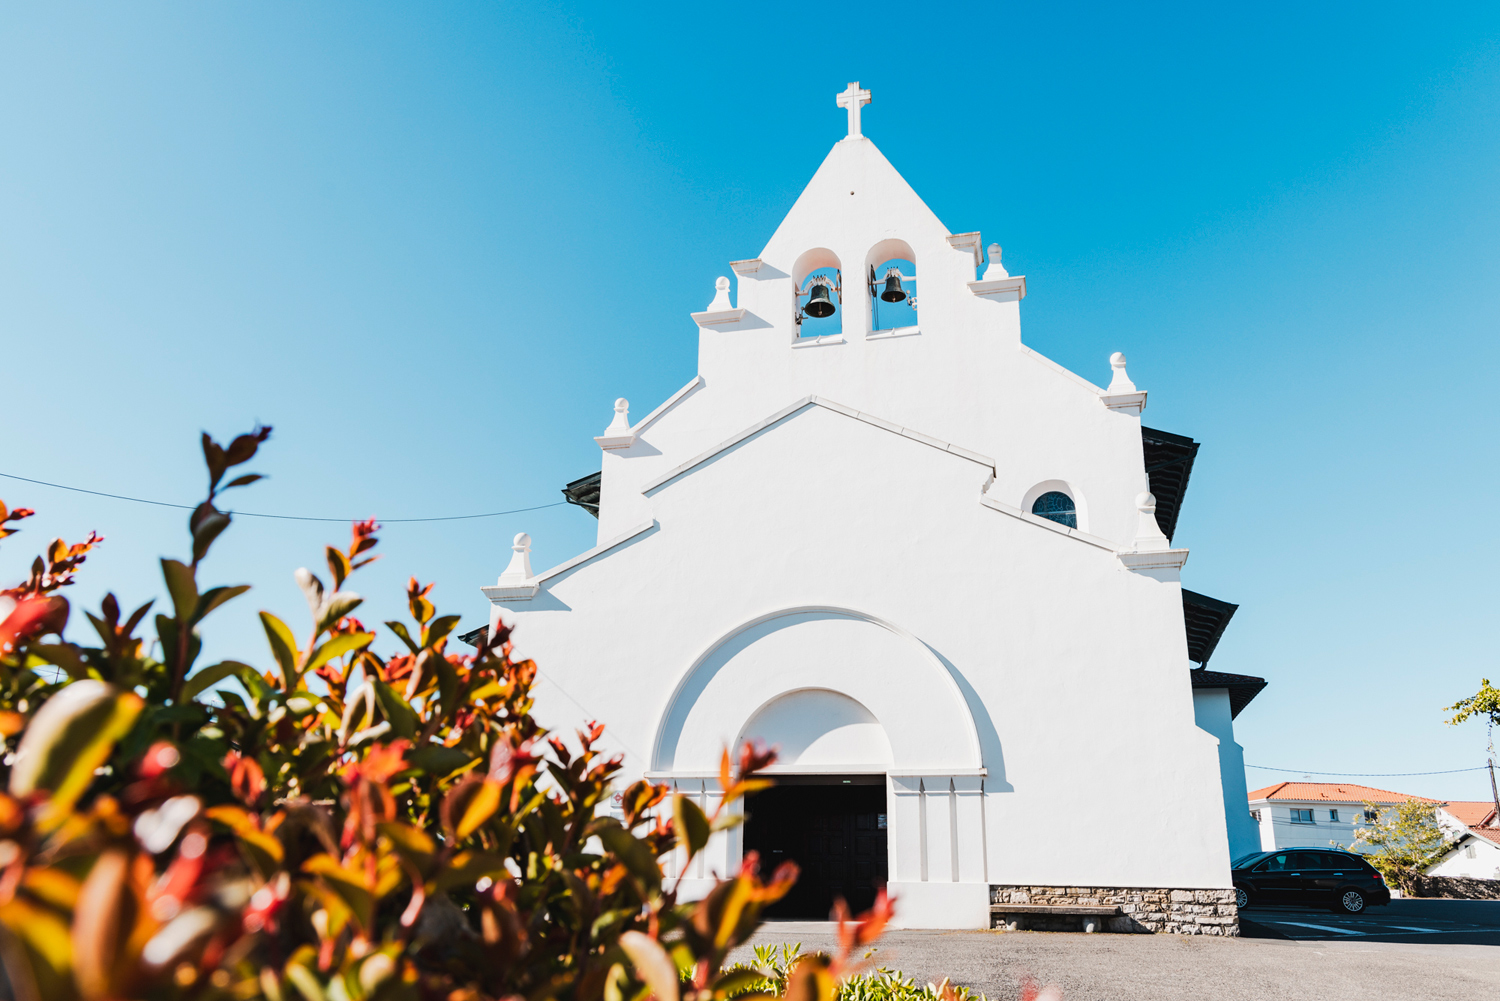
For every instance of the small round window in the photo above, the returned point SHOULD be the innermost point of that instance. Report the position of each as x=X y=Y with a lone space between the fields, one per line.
x=1056 y=506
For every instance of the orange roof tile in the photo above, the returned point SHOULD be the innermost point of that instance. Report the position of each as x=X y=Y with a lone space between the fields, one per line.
x=1332 y=792
x=1488 y=833
x=1471 y=813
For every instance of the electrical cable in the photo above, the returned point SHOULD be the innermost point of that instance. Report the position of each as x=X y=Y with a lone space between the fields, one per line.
x=1369 y=775
x=278 y=517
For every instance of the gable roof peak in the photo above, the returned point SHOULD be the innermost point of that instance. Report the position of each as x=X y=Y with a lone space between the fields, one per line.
x=855 y=199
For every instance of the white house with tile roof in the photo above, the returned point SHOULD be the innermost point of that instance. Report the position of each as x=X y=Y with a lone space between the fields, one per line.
x=922 y=560
x=1313 y=814
x=1476 y=855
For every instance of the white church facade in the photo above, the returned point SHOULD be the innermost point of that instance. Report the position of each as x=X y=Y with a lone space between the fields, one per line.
x=923 y=561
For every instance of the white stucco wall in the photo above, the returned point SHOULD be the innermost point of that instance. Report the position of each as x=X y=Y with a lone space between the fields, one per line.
x=854 y=579
x=1212 y=712
x=1485 y=863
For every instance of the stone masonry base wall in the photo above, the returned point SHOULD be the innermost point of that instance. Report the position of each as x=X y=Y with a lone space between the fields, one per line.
x=1144 y=910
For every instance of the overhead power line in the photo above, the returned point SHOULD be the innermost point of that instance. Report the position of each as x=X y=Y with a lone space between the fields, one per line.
x=1369 y=775
x=278 y=517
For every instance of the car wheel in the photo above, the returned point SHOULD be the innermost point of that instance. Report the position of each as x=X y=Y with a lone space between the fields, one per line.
x=1241 y=897
x=1351 y=902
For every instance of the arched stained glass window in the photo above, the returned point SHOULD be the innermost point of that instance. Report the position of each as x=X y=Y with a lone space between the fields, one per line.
x=1056 y=506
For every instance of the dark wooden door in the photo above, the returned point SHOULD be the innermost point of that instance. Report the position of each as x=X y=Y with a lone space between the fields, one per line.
x=835 y=833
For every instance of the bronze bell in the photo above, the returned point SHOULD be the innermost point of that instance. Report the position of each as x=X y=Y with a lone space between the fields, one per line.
x=819 y=304
x=893 y=291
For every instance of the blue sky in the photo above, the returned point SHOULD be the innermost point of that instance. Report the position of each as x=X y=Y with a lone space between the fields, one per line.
x=431 y=244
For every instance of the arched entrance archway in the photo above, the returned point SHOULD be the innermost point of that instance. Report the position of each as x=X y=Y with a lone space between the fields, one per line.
x=856 y=703
x=875 y=663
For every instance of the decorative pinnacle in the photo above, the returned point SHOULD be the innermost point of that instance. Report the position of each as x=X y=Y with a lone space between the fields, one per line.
x=520 y=560
x=996 y=269
x=1121 y=382
x=1148 y=534
x=721 y=295
x=621 y=423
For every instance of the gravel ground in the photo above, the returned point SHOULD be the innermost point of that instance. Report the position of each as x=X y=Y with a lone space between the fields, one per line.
x=1106 y=967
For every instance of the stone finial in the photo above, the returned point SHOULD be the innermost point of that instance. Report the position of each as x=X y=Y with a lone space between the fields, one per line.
x=618 y=435
x=621 y=422
x=520 y=560
x=1121 y=382
x=1148 y=534
x=996 y=269
x=721 y=296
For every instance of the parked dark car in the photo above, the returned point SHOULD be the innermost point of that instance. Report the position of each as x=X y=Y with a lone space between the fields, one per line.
x=1311 y=877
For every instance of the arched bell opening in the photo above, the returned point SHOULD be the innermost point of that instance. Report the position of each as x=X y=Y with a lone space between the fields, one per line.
x=818 y=293
x=891 y=274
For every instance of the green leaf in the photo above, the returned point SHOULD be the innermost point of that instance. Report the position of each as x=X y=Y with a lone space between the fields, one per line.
x=166 y=632
x=447 y=684
x=212 y=675
x=214 y=597
x=347 y=883
x=608 y=919
x=630 y=850
x=338 y=565
x=206 y=529
x=306 y=983
x=438 y=628
x=264 y=850
x=727 y=820
x=337 y=647
x=283 y=646
x=403 y=721
x=481 y=807
x=69 y=737
x=652 y=964
x=255 y=684
x=469 y=867
x=135 y=618
x=337 y=605
x=400 y=630
x=213 y=457
x=46 y=934
x=412 y=840
x=182 y=586
x=439 y=761
x=737 y=982
x=63 y=655
x=692 y=826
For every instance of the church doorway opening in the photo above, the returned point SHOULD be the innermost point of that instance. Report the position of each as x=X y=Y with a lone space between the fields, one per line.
x=834 y=828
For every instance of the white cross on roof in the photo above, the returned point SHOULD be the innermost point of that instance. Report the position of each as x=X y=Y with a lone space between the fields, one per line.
x=853 y=98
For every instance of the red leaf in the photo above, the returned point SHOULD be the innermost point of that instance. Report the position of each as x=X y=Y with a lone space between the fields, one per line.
x=34 y=617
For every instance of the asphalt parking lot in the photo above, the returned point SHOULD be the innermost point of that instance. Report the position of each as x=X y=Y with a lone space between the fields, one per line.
x=1412 y=950
x=1475 y=922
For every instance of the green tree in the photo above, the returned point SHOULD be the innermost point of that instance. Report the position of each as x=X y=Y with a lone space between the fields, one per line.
x=1485 y=702
x=1402 y=842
